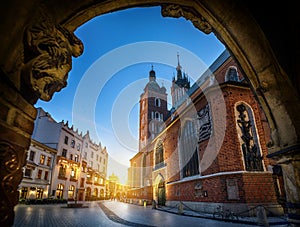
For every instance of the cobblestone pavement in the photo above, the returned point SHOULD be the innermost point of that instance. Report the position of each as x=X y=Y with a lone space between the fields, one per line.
x=107 y=213
x=56 y=216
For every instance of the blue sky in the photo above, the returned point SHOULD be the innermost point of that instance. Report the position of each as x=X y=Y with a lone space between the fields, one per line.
x=121 y=47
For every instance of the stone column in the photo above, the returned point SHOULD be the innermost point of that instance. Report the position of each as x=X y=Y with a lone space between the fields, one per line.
x=289 y=160
x=16 y=125
x=48 y=52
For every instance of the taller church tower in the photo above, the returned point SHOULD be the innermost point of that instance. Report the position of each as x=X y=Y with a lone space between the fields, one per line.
x=153 y=110
x=180 y=86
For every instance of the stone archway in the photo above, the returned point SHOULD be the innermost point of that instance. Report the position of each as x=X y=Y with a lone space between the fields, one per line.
x=24 y=81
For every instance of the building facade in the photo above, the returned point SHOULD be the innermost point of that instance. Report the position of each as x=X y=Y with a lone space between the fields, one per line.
x=79 y=166
x=212 y=149
x=37 y=179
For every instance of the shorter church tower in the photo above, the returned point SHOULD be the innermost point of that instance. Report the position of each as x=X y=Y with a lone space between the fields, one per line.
x=153 y=110
x=180 y=86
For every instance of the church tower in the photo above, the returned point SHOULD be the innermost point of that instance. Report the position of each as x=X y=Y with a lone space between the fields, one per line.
x=153 y=110
x=180 y=85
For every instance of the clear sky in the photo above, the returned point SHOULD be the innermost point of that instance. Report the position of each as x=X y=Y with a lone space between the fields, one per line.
x=106 y=81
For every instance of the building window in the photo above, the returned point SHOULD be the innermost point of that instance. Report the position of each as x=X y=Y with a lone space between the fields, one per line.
x=159 y=153
x=97 y=157
x=232 y=74
x=188 y=150
x=76 y=159
x=59 y=191
x=66 y=140
x=248 y=138
x=24 y=193
x=157 y=102
x=31 y=155
x=42 y=159
x=39 y=193
x=64 y=153
x=71 y=156
x=46 y=175
x=73 y=143
x=73 y=174
x=92 y=155
x=157 y=116
x=85 y=155
x=62 y=171
x=49 y=161
x=39 y=175
x=27 y=172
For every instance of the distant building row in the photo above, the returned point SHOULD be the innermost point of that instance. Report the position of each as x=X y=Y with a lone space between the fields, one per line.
x=62 y=163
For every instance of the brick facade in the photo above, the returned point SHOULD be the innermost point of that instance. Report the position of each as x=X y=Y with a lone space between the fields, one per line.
x=224 y=177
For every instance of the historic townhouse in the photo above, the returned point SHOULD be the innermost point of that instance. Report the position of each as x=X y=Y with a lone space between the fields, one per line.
x=79 y=166
x=36 y=183
x=210 y=149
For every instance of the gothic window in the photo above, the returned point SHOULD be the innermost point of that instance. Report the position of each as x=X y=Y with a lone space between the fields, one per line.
x=159 y=153
x=157 y=115
x=157 y=102
x=248 y=138
x=204 y=124
x=188 y=150
x=232 y=74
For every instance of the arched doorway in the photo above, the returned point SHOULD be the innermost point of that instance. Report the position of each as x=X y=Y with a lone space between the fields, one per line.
x=161 y=194
x=159 y=190
x=227 y=19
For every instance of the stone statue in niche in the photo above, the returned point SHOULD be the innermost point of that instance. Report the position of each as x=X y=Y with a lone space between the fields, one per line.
x=48 y=51
x=252 y=157
x=204 y=124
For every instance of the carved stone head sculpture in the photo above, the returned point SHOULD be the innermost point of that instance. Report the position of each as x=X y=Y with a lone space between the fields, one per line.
x=48 y=51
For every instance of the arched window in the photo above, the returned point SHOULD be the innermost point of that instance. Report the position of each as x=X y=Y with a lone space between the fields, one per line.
x=159 y=153
x=71 y=192
x=248 y=138
x=59 y=191
x=189 y=150
x=232 y=74
x=157 y=115
x=157 y=102
x=95 y=192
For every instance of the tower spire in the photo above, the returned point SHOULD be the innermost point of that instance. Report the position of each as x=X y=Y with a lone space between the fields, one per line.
x=178 y=68
x=152 y=76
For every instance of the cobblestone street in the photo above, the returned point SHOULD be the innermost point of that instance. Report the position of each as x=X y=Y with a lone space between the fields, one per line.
x=108 y=213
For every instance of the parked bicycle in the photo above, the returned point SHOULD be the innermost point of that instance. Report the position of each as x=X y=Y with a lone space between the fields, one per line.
x=224 y=214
